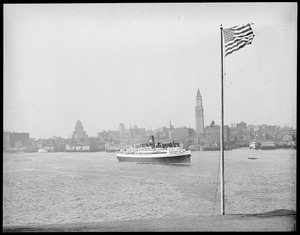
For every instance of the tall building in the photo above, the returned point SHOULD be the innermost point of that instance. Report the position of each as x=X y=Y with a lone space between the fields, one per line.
x=199 y=115
x=79 y=134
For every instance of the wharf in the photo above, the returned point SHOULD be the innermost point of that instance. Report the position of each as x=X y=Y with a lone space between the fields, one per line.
x=279 y=220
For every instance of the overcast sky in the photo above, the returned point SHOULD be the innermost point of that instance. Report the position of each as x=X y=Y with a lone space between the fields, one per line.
x=106 y=64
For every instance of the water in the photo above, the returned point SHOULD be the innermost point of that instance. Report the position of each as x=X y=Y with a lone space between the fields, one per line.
x=53 y=188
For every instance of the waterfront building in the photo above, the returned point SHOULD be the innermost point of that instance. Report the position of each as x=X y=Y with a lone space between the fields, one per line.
x=133 y=135
x=15 y=140
x=109 y=136
x=184 y=135
x=6 y=141
x=241 y=126
x=38 y=143
x=269 y=129
x=114 y=135
x=237 y=134
x=140 y=135
x=240 y=135
x=162 y=134
x=234 y=134
x=250 y=128
x=286 y=135
x=79 y=134
x=212 y=135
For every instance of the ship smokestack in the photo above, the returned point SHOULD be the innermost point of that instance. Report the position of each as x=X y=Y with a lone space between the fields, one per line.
x=151 y=140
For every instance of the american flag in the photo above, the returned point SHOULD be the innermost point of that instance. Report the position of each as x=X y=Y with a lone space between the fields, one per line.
x=237 y=37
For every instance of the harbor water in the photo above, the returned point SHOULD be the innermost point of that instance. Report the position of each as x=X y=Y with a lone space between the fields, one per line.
x=55 y=188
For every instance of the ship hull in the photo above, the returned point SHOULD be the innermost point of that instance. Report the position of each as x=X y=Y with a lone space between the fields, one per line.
x=186 y=158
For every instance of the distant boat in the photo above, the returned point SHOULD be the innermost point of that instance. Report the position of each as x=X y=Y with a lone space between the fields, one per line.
x=167 y=153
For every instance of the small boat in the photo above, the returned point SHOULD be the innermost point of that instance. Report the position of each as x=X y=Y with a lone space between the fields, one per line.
x=167 y=153
x=252 y=158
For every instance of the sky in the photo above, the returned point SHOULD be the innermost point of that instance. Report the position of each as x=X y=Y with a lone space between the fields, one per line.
x=142 y=63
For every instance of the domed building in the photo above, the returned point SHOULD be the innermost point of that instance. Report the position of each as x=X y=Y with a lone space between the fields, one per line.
x=79 y=134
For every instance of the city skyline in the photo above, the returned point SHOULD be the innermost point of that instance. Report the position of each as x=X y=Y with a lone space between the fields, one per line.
x=148 y=129
x=106 y=64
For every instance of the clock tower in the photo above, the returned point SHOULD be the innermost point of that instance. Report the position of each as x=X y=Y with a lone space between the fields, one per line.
x=199 y=115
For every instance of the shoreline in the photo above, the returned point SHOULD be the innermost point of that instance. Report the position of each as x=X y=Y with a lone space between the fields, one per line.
x=278 y=220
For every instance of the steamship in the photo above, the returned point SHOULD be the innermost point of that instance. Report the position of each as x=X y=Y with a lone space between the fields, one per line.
x=165 y=153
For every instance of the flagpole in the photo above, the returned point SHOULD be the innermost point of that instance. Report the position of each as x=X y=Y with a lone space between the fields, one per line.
x=222 y=134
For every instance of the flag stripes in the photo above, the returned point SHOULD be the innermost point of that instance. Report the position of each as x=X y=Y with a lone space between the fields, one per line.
x=237 y=37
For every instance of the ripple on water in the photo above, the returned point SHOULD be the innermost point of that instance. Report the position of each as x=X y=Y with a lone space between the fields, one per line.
x=70 y=188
